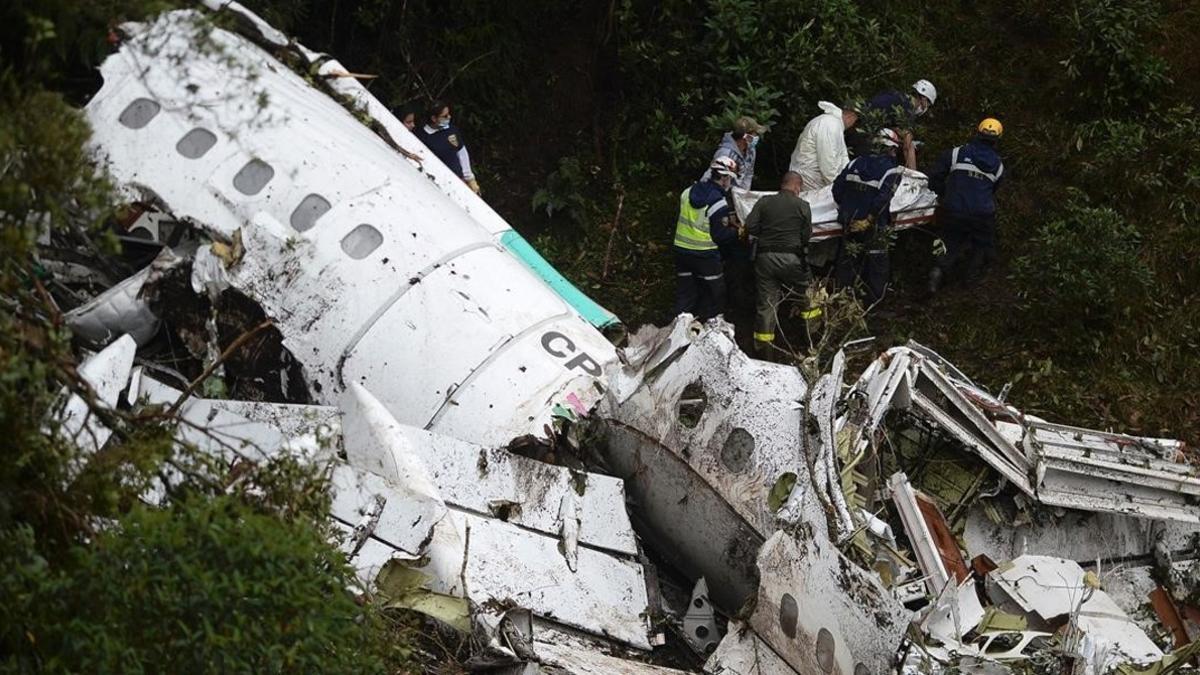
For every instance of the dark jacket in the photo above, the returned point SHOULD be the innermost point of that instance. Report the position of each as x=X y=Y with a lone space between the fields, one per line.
x=444 y=144
x=865 y=187
x=708 y=195
x=966 y=178
x=782 y=222
x=892 y=109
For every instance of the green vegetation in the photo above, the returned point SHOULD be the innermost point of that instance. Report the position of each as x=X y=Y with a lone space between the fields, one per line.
x=229 y=576
x=208 y=585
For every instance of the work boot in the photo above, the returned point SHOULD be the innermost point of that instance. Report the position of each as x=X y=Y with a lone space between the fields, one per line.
x=763 y=350
x=935 y=280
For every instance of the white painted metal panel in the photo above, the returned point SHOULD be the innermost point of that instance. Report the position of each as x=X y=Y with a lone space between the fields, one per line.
x=606 y=596
x=477 y=478
x=416 y=340
x=742 y=652
x=107 y=373
x=1052 y=587
x=405 y=518
x=821 y=613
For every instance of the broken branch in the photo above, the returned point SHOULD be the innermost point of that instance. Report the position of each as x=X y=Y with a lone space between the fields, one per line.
x=233 y=347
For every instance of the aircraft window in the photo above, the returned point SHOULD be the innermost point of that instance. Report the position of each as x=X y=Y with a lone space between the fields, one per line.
x=253 y=177
x=789 y=614
x=308 y=211
x=139 y=113
x=361 y=241
x=196 y=143
x=826 y=646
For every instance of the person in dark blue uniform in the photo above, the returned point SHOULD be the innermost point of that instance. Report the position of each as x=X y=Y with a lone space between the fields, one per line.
x=899 y=111
x=446 y=142
x=703 y=225
x=966 y=179
x=863 y=192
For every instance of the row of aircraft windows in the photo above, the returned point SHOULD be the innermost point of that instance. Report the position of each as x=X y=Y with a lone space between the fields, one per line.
x=253 y=177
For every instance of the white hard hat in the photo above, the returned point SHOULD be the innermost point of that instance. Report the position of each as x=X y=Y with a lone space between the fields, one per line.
x=888 y=137
x=926 y=89
x=724 y=166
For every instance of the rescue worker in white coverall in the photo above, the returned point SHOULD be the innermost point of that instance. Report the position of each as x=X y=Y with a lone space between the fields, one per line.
x=820 y=153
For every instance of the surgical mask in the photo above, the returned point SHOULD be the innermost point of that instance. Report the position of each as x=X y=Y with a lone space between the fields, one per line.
x=444 y=124
x=753 y=141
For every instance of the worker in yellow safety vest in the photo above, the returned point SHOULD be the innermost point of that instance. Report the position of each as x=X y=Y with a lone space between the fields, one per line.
x=705 y=221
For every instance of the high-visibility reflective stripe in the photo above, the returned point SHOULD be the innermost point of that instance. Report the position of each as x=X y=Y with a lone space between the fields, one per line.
x=811 y=313
x=692 y=228
x=702 y=226
x=683 y=241
x=973 y=170
x=713 y=208
x=713 y=277
x=683 y=274
x=764 y=337
x=855 y=178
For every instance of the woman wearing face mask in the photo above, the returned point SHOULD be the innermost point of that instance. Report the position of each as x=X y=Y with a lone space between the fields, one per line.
x=739 y=145
x=446 y=142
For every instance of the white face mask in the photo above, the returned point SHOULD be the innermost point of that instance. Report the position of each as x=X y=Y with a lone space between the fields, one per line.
x=444 y=124
x=753 y=142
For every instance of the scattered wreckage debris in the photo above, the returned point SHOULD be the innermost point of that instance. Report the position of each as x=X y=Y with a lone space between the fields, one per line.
x=778 y=525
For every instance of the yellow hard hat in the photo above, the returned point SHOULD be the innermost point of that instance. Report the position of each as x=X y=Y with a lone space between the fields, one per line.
x=991 y=127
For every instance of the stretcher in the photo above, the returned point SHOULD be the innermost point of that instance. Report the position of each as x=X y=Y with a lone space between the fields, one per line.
x=912 y=205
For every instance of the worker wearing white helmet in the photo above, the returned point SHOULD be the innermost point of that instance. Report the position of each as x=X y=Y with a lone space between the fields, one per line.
x=899 y=111
x=703 y=224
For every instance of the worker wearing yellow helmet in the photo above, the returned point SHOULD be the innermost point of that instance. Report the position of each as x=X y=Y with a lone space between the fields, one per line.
x=966 y=179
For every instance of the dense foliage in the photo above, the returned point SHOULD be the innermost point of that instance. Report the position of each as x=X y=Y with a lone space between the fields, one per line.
x=228 y=576
x=209 y=585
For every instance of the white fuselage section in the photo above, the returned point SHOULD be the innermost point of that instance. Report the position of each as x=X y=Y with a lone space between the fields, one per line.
x=372 y=273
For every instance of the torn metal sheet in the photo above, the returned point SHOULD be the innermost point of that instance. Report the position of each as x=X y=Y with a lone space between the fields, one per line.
x=699 y=623
x=955 y=612
x=924 y=546
x=1077 y=535
x=1060 y=466
x=403 y=517
x=742 y=652
x=1075 y=466
x=328 y=212
x=700 y=444
x=494 y=481
x=382 y=510
x=397 y=515
x=645 y=352
x=560 y=652
x=253 y=430
x=822 y=451
x=1053 y=588
x=821 y=613
x=117 y=311
x=498 y=561
x=107 y=373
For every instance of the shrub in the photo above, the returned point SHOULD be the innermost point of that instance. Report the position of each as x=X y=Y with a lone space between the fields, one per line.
x=1111 y=58
x=207 y=585
x=699 y=67
x=1082 y=273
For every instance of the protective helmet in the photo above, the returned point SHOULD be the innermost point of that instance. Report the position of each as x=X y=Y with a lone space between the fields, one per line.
x=991 y=128
x=926 y=89
x=724 y=166
x=887 y=137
